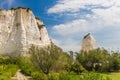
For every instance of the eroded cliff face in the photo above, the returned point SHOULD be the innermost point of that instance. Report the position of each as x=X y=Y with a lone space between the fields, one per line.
x=88 y=43
x=19 y=29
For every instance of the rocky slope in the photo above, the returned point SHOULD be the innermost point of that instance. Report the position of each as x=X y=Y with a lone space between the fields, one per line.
x=88 y=43
x=19 y=29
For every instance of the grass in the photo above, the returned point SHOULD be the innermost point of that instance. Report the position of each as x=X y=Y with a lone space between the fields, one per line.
x=7 y=71
x=114 y=76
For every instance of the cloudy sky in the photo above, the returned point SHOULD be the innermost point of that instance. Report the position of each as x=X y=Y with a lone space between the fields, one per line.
x=67 y=21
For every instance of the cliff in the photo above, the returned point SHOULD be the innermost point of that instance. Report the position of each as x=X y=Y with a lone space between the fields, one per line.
x=88 y=43
x=19 y=29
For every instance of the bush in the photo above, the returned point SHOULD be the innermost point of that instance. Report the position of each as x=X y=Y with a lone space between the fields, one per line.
x=76 y=67
x=45 y=58
x=64 y=76
x=93 y=76
x=26 y=65
x=99 y=60
x=8 y=72
x=38 y=76
x=53 y=76
x=8 y=60
x=12 y=8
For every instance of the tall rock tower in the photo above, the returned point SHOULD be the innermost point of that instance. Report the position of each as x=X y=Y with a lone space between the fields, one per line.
x=88 y=43
x=19 y=29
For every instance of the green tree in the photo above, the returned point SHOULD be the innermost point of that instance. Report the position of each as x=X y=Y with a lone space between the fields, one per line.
x=94 y=60
x=89 y=60
x=115 y=61
x=45 y=58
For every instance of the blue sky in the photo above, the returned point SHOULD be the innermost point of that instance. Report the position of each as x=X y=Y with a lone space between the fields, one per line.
x=67 y=21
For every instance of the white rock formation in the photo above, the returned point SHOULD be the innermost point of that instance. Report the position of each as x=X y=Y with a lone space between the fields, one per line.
x=88 y=43
x=19 y=30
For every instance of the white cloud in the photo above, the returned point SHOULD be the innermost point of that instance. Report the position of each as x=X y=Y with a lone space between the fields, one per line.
x=73 y=27
x=101 y=18
x=105 y=15
x=98 y=19
x=76 y=5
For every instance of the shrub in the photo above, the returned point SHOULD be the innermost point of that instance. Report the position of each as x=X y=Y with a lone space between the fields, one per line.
x=38 y=76
x=64 y=76
x=45 y=58
x=99 y=60
x=8 y=60
x=12 y=69
x=9 y=70
x=53 y=76
x=93 y=76
x=26 y=65
x=1 y=67
x=28 y=9
x=76 y=67
x=12 y=8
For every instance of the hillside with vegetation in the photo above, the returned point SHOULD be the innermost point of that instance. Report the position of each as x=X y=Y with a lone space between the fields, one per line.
x=51 y=63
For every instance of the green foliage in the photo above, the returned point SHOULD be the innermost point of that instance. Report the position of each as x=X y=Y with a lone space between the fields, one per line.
x=53 y=76
x=115 y=61
x=64 y=76
x=75 y=67
x=93 y=76
x=60 y=63
x=38 y=76
x=12 y=8
x=99 y=60
x=45 y=58
x=47 y=64
x=7 y=71
x=26 y=65
x=8 y=60
x=88 y=59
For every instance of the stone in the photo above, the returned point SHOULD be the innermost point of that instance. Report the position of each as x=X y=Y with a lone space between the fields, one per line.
x=19 y=29
x=88 y=43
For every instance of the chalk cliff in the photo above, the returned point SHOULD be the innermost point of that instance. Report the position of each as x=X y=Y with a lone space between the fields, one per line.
x=19 y=29
x=88 y=43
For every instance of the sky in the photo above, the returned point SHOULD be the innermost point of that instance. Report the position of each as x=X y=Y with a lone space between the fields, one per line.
x=68 y=21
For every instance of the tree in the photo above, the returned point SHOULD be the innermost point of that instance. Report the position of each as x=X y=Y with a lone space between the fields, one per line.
x=115 y=61
x=89 y=60
x=95 y=59
x=45 y=57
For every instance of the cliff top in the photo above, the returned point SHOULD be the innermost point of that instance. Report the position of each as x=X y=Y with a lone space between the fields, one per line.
x=87 y=35
x=17 y=8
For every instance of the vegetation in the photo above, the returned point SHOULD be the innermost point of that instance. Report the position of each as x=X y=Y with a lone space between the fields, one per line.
x=37 y=18
x=51 y=63
x=12 y=8
x=46 y=59
x=99 y=60
x=8 y=67
x=40 y=26
x=27 y=9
